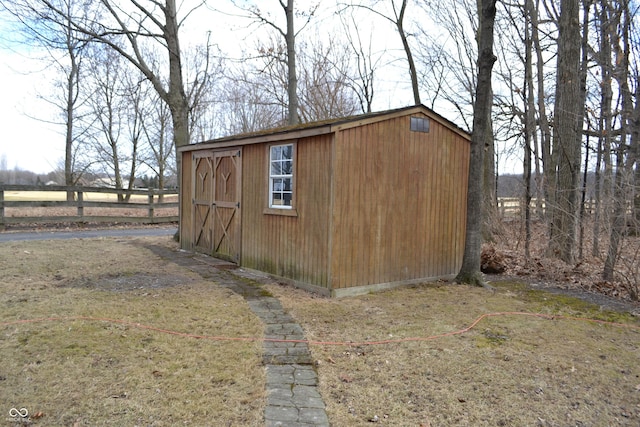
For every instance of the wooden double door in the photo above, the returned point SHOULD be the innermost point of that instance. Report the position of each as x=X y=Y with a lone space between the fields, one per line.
x=217 y=178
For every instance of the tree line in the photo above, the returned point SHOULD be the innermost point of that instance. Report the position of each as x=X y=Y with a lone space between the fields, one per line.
x=550 y=84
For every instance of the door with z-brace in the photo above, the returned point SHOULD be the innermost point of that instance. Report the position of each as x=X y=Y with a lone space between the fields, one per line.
x=217 y=192
x=227 y=179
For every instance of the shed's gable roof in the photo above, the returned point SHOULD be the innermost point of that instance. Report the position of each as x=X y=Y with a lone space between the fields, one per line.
x=321 y=128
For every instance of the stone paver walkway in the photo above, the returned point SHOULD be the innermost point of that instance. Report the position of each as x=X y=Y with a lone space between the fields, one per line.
x=292 y=393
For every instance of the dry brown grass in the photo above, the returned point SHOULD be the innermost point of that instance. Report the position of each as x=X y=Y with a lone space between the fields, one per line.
x=83 y=372
x=507 y=371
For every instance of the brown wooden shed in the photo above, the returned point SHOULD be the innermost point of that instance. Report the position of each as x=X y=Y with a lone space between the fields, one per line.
x=340 y=207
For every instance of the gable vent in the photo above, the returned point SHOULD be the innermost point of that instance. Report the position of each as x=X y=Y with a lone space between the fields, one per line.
x=419 y=124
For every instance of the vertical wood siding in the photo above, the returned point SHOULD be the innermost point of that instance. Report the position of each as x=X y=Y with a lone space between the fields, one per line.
x=295 y=247
x=399 y=203
x=379 y=204
x=186 y=205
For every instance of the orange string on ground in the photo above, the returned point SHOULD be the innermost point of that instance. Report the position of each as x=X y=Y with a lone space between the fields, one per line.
x=333 y=343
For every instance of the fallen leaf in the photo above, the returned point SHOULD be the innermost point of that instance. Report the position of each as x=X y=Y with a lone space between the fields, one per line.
x=345 y=378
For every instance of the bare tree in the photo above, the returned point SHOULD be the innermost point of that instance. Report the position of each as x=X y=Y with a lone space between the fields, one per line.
x=65 y=48
x=635 y=147
x=116 y=117
x=625 y=153
x=257 y=97
x=250 y=104
x=134 y=29
x=361 y=75
x=325 y=92
x=567 y=133
x=157 y=153
x=606 y=24
x=470 y=270
x=204 y=71
x=397 y=19
x=456 y=65
x=456 y=84
x=289 y=34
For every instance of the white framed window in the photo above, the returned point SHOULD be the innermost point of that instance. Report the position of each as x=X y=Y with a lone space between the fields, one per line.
x=281 y=176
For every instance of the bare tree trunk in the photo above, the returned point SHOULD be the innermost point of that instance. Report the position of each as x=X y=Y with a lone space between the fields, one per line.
x=292 y=78
x=72 y=93
x=548 y=175
x=407 y=50
x=398 y=21
x=176 y=96
x=567 y=133
x=623 y=168
x=583 y=93
x=470 y=270
x=604 y=124
x=72 y=46
x=635 y=149
x=529 y=126
x=618 y=217
x=583 y=199
x=491 y=223
x=597 y=183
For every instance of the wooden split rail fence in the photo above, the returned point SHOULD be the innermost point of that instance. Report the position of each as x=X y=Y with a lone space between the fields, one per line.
x=509 y=207
x=30 y=204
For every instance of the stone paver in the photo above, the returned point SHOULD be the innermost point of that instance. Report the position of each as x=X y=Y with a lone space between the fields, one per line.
x=292 y=393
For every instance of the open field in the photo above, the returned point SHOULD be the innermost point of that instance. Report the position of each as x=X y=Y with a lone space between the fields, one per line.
x=509 y=370
x=62 y=195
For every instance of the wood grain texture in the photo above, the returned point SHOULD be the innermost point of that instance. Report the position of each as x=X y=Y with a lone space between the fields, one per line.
x=373 y=203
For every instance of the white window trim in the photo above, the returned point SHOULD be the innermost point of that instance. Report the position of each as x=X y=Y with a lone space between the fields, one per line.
x=284 y=209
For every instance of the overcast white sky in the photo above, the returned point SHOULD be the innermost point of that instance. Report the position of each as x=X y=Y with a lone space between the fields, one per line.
x=25 y=141
x=28 y=142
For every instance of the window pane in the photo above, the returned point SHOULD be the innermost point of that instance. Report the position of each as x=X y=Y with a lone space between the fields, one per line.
x=287 y=167
x=276 y=152
x=287 y=152
x=286 y=183
x=419 y=124
x=281 y=176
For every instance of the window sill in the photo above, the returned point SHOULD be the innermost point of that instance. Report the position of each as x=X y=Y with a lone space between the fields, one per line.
x=281 y=212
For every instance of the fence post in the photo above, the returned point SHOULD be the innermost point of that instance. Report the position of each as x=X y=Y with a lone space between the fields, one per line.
x=151 y=207
x=1 y=207
x=80 y=207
